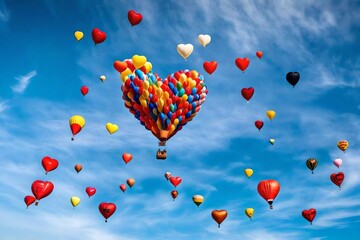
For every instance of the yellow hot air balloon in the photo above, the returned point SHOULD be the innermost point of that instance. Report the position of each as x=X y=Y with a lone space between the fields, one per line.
x=198 y=199
x=248 y=172
x=76 y=122
x=270 y=114
x=78 y=35
x=75 y=201
x=249 y=212
x=343 y=145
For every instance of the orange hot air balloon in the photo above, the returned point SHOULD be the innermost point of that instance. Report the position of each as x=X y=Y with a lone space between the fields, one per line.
x=343 y=145
x=130 y=182
x=174 y=194
x=269 y=189
x=76 y=122
x=78 y=168
x=219 y=216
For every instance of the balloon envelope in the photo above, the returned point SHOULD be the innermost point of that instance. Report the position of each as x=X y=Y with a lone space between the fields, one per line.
x=198 y=200
x=337 y=162
x=311 y=163
x=249 y=212
x=343 y=145
x=248 y=172
x=75 y=201
x=269 y=189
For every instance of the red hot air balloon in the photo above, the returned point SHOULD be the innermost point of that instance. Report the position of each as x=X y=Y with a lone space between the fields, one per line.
x=337 y=178
x=123 y=187
x=309 y=214
x=98 y=36
x=107 y=209
x=41 y=189
x=90 y=191
x=242 y=63
x=174 y=194
x=84 y=90
x=259 y=124
x=269 y=189
x=49 y=164
x=29 y=200
x=247 y=93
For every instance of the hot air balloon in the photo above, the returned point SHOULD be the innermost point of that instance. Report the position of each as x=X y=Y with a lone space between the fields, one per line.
x=123 y=187
x=337 y=162
x=198 y=200
x=269 y=189
x=102 y=78
x=293 y=78
x=219 y=216
x=130 y=182
x=163 y=106
x=78 y=168
x=75 y=201
x=309 y=214
x=337 y=178
x=249 y=212
x=76 y=124
x=272 y=141
x=49 y=164
x=343 y=145
x=174 y=194
x=29 y=200
x=90 y=191
x=270 y=114
x=41 y=189
x=107 y=209
x=248 y=172
x=78 y=35
x=311 y=163
x=168 y=175
x=259 y=124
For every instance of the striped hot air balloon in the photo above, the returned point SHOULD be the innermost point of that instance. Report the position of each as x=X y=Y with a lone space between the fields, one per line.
x=76 y=123
x=198 y=199
x=311 y=163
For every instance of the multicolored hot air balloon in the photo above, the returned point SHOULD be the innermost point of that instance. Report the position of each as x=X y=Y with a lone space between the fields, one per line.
x=198 y=200
x=76 y=123
x=174 y=194
x=163 y=106
x=343 y=145
x=311 y=163
x=269 y=189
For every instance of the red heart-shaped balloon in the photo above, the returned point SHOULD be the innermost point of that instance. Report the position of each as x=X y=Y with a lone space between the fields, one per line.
x=210 y=67
x=90 y=191
x=84 y=90
x=98 y=36
x=120 y=66
x=309 y=214
x=127 y=157
x=247 y=93
x=337 y=178
x=259 y=54
x=123 y=187
x=49 y=164
x=41 y=189
x=175 y=181
x=29 y=200
x=134 y=17
x=242 y=63
x=259 y=124
x=107 y=209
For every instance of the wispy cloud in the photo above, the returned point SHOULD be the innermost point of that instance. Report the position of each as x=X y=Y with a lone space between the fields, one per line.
x=3 y=106
x=4 y=12
x=23 y=82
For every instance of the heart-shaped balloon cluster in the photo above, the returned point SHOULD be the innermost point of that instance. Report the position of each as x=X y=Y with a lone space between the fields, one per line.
x=163 y=106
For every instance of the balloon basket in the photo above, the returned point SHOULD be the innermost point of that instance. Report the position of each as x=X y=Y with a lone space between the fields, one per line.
x=72 y=139
x=218 y=225
x=36 y=203
x=161 y=154
x=106 y=220
x=310 y=223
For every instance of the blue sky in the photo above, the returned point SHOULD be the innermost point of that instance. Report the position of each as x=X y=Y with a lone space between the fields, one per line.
x=43 y=68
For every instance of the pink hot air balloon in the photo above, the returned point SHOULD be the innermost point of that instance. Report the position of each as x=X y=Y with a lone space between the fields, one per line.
x=337 y=162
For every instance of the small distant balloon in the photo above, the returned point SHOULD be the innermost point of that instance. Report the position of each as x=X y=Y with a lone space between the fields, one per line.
x=167 y=175
x=311 y=163
x=204 y=39
x=90 y=191
x=249 y=212
x=219 y=216
x=78 y=35
x=343 y=145
x=270 y=114
x=174 y=194
x=337 y=162
x=272 y=141
x=78 y=168
x=130 y=182
x=29 y=200
x=293 y=78
x=249 y=172
x=259 y=124
x=259 y=54
x=123 y=187
x=75 y=201
x=309 y=214
x=84 y=90
x=198 y=200
x=102 y=78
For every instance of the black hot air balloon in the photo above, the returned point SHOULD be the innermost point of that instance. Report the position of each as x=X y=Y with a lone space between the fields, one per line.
x=293 y=78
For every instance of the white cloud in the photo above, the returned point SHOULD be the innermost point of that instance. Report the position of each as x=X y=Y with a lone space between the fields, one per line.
x=3 y=106
x=23 y=82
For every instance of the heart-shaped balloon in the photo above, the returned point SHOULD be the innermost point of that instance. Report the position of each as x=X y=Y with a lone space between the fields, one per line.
x=259 y=54
x=49 y=164
x=41 y=189
x=78 y=35
x=272 y=141
x=210 y=67
x=98 y=36
x=127 y=157
x=259 y=124
x=337 y=178
x=175 y=181
x=204 y=39
x=338 y=162
x=164 y=106
x=122 y=187
x=293 y=78
x=130 y=182
x=112 y=128
x=247 y=93
x=107 y=209
x=134 y=17
x=242 y=63
x=219 y=216
x=29 y=200
x=84 y=90
x=90 y=191
x=120 y=66
x=309 y=214
x=185 y=50
x=138 y=61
